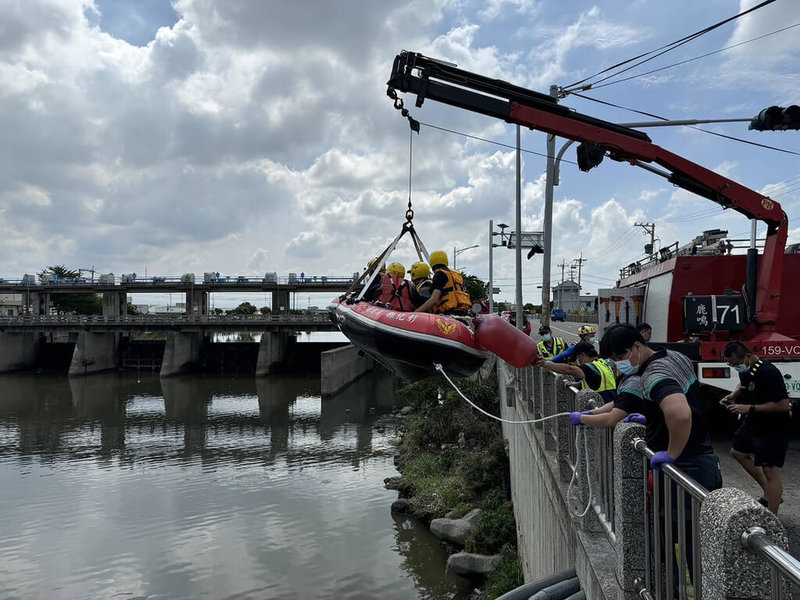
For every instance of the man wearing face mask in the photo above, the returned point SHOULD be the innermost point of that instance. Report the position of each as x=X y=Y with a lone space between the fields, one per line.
x=593 y=372
x=762 y=403
x=678 y=429
x=549 y=346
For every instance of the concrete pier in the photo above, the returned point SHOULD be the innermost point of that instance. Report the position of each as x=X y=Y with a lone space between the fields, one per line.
x=181 y=353
x=95 y=353
x=115 y=304
x=271 y=352
x=18 y=351
x=341 y=366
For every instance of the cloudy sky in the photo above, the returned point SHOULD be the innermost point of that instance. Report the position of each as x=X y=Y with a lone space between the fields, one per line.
x=248 y=136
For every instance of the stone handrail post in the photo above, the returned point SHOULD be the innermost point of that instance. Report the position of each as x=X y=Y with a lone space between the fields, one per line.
x=729 y=569
x=629 y=516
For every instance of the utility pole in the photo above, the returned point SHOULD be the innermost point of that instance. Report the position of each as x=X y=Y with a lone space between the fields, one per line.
x=548 y=218
x=561 y=287
x=580 y=262
x=651 y=229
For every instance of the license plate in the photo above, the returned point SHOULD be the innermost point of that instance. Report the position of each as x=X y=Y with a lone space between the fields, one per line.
x=793 y=386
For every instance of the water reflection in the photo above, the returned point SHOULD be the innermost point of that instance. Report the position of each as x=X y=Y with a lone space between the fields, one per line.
x=203 y=487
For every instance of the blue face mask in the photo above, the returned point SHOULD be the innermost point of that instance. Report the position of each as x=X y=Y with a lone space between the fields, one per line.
x=625 y=367
x=740 y=368
x=547 y=337
x=592 y=340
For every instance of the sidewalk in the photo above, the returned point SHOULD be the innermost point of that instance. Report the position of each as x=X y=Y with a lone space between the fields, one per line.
x=733 y=475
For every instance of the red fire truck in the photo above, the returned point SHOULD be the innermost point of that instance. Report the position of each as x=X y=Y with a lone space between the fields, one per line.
x=696 y=301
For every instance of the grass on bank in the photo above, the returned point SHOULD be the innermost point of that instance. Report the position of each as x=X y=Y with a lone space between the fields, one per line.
x=454 y=459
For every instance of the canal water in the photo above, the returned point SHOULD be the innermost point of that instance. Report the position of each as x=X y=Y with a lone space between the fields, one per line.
x=128 y=486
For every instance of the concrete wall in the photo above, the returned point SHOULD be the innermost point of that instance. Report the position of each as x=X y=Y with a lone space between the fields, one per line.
x=341 y=366
x=549 y=538
x=17 y=351
x=181 y=353
x=95 y=353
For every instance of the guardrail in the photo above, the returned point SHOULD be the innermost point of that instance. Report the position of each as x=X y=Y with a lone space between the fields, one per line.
x=169 y=279
x=672 y=537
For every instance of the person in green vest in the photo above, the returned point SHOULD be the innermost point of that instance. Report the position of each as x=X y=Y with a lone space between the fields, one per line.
x=594 y=373
x=549 y=347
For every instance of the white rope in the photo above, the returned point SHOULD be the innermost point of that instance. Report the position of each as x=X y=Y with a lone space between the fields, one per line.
x=580 y=433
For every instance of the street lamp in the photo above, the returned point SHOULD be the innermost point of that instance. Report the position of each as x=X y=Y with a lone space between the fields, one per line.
x=504 y=243
x=457 y=251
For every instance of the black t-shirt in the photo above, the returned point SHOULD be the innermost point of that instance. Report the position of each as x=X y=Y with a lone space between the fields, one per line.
x=439 y=281
x=763 y=383
x=630 y=398
x=420 y=291
x=665 y=373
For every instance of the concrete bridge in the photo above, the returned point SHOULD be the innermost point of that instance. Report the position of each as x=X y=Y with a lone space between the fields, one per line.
x=36 y=294
x=97 y=347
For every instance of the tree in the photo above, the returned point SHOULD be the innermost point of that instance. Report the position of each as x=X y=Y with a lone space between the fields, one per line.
x=245 y=308
x=80 y=303
x=475 y=287
x=265 y=310
x=132 y=310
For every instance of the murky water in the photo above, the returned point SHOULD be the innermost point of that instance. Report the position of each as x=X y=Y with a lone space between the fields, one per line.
x=134 y=487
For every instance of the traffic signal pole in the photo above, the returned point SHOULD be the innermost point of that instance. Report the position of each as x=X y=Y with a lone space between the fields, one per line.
x=548 y=218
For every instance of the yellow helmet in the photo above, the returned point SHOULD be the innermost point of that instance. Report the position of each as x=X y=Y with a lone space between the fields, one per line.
x=419 y=270
x=438 y=257
x=372 y=262
x=585 y=329
x=396 y=269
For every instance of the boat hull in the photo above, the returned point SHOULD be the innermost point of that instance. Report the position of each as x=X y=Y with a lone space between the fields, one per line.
x=409 y=344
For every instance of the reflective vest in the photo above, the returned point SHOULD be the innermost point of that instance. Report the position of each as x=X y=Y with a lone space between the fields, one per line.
x=559 y=346
x=396 y=292
x=607 y=379
x=453 y=295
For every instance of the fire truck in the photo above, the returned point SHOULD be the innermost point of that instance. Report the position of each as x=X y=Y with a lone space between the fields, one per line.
x=696 y=301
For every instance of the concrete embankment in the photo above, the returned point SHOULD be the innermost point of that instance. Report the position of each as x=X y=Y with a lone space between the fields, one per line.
x=342 y=366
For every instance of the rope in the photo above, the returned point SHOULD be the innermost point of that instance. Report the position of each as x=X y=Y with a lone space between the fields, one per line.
x=580 y=433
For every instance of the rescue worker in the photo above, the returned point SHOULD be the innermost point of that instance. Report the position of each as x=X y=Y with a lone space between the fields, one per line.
x=420 y=283
x=762 y=403
x=593 y=372
x=646 y=331
x=395 y=289
x=676 y=428
x=586 y=333
x=374 y=290
x=448 y=295
x=549 y=347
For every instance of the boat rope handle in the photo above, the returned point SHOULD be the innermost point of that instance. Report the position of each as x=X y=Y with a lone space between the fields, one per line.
x=580 y=434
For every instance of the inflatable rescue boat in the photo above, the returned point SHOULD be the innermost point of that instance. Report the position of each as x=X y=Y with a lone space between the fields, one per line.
x=410 y=344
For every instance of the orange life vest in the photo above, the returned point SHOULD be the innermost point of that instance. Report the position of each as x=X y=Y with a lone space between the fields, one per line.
x=396 y=292
x=453 y=295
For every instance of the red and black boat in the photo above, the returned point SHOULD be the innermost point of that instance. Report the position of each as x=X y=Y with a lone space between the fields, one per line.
x=410 y=343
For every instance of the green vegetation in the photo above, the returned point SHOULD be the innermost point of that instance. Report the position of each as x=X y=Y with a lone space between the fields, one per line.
x=80 y=304
x=453 y=459
x=474 y=286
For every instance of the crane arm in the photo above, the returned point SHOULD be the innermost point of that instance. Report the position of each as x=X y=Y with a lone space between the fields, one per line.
x=437 y=80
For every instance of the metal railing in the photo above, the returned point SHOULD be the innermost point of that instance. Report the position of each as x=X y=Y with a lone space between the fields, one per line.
x=780 y=562
x=543 y=402
x=665 y=562
x=682 y=497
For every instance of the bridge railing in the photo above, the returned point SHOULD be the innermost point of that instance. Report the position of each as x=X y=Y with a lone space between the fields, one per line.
x=668 y=535
x=165 y=319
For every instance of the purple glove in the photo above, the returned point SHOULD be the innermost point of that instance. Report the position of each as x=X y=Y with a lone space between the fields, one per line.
x=575 y=418
x=660 y=459
x=635 y=418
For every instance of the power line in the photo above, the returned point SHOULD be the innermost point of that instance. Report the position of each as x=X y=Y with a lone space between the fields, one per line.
x=660 y=118
x=480 y=139
x=662 y=50
x=688 y=60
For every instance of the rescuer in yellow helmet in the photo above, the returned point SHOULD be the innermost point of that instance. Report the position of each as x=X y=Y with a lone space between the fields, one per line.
x=420 y=283
x=447 y=289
